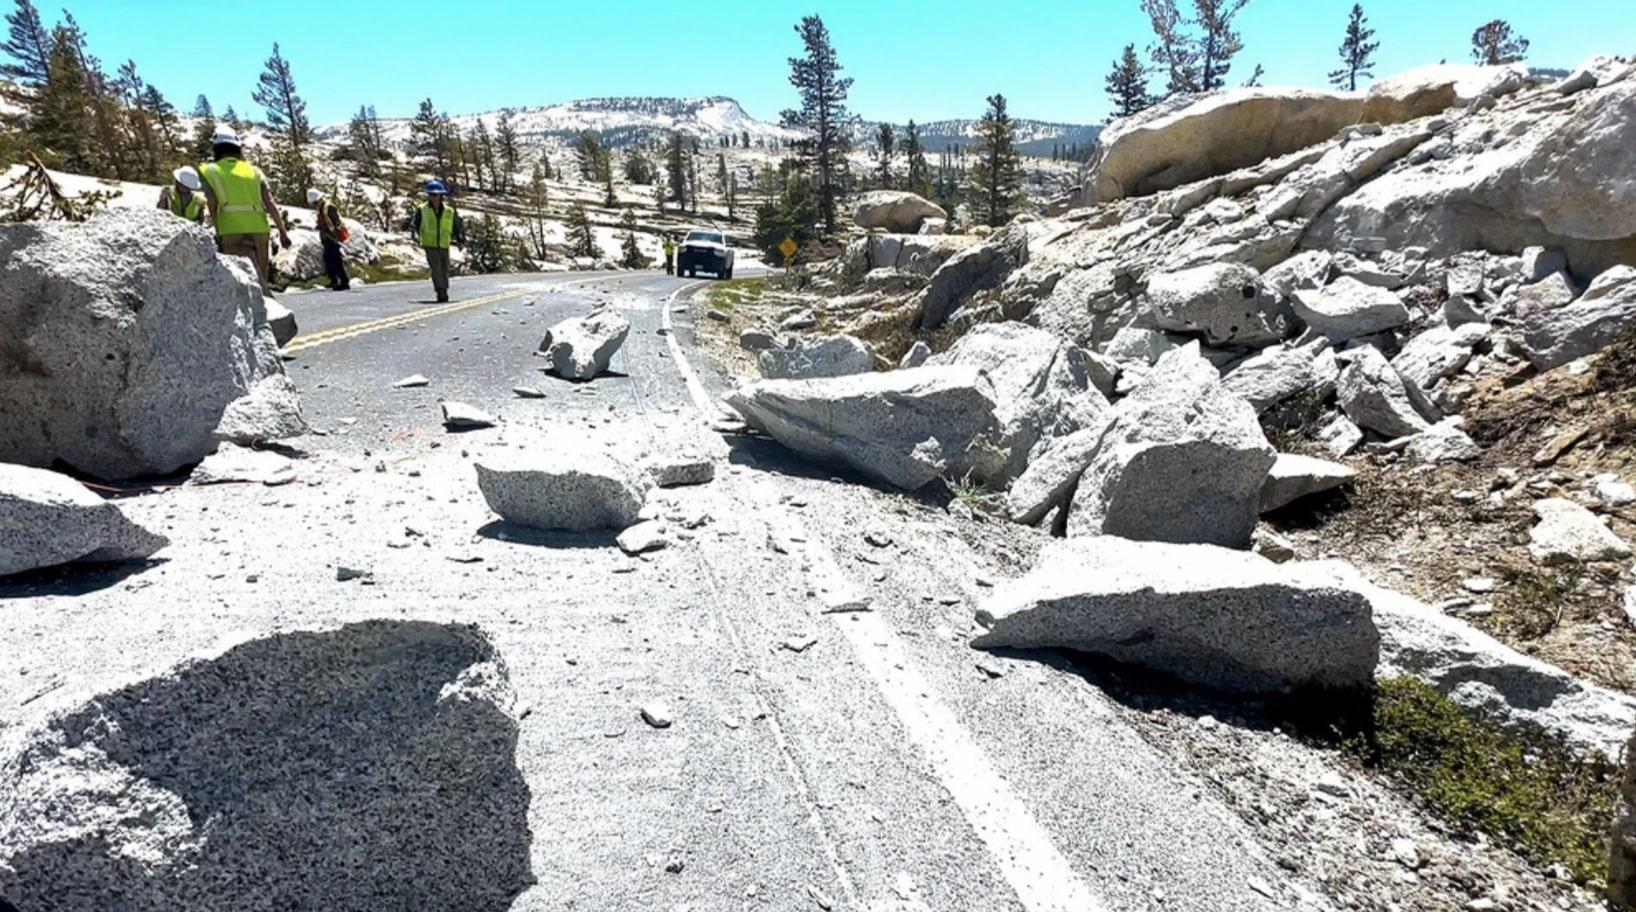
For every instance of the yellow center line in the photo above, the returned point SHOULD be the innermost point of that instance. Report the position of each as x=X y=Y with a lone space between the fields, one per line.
x=353 y=331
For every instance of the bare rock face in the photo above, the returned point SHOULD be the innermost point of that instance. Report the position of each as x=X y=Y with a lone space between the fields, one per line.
x=1601 y=315
x=1222 y=301
x=973 y=269
x=1226 y=619
x=365 y=768
x=126 y=338
x=811 y=357
x=1562 y=174
x=895 y=211
x=902 y=427
x=1198 y=136
x=1043 y=387
x=47 y=518
x=1183 y=460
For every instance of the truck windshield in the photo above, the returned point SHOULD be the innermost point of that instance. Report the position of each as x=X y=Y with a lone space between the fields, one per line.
x=708 y=237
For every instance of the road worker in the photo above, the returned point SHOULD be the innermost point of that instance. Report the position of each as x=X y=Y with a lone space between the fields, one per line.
x=241 y=204
x=436 y=226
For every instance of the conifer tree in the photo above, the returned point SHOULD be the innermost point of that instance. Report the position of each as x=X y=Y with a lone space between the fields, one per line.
x=535 y=198
x=62 y=108
x=483 y=154
x=204 y=127
x=609 y=198
x=588 y=152
x=920 y=174
x=429 y=141
x=28 y=44
x=1173 y=51
x=1218 y=43
x=822 y=116
x=638 y=169
x=1127 y=84
x=365 y=143
x=676 y=169
x=885 y=139
x=231 y=118
x=1495 y=44
x=630 y=256
x=1357 y=52
x=505 y=138
x=581 y=238
x=275 y=91
x=996 y=177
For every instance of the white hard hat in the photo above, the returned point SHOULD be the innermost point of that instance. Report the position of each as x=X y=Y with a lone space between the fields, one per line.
x=314 y=195
x=225 y=137
x=187 y=177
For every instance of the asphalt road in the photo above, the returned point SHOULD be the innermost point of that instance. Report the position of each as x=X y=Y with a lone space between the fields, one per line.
x=862 y=760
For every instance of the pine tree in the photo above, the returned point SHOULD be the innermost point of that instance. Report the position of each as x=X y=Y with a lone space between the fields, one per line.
x=630 y=255
x=483 y=154
x=885 y=140
x=792 y=214
x=144 y=145
x=288 y=171
x=535 y=199
x=487 y=249
x=1357 y=52
x=1494 y=44
x=693 y=184
x=581 y=238
x=365 y=144
x=1218 y=44
x=505 y=138
x=429 y=141
x=62 y=108
x=588 y=152
x=168 y=124
x=996 y=178
x=676 y=169
x=638 y=169
x=822 y=115
x=204 y=127
x=231 y=118
x=28 y=44
x=275 y=91
x=1127 y=84
x=609 y=198
x=1173 y=51
x=920 y=174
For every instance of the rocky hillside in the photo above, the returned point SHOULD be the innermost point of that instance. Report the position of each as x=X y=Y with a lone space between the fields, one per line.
x=1390 y=327
x=620 y=121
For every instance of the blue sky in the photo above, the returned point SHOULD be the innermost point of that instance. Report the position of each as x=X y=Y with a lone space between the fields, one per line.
x=910 y=58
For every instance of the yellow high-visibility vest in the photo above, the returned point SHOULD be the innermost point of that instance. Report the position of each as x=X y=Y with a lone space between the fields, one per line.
x=189 y=210
x=435 y=230
x=237 y=186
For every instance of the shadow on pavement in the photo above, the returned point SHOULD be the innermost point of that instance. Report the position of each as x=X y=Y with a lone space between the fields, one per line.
x=500 y=530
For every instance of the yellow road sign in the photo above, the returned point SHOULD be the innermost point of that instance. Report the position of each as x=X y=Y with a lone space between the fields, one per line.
x=788 y=249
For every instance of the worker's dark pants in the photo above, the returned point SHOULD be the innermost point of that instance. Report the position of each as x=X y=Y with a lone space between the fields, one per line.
x=437 y=259
x=670 y=264
x=335 y=266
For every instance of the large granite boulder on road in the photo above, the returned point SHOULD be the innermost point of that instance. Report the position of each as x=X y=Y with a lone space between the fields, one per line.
x=903 y=427
x=280 y=320
x=47 y=518
x=1223 y=302
x=1606 y=311
x=1190 y=137
x=583 y=347
x=894 y=211
x=1043 y=386
x=365 y=768
x=555 y=485
x=812 y=357
x=1183 y=460
x=1213 y=616
x=125 y=339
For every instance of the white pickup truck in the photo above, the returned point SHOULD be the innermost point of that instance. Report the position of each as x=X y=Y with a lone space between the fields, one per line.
x=705 y=251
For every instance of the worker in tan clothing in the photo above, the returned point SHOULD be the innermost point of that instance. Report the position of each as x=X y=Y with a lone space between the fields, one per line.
x=241 y=205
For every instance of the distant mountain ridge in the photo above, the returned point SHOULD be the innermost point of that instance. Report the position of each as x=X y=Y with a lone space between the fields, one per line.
x=622 y=122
